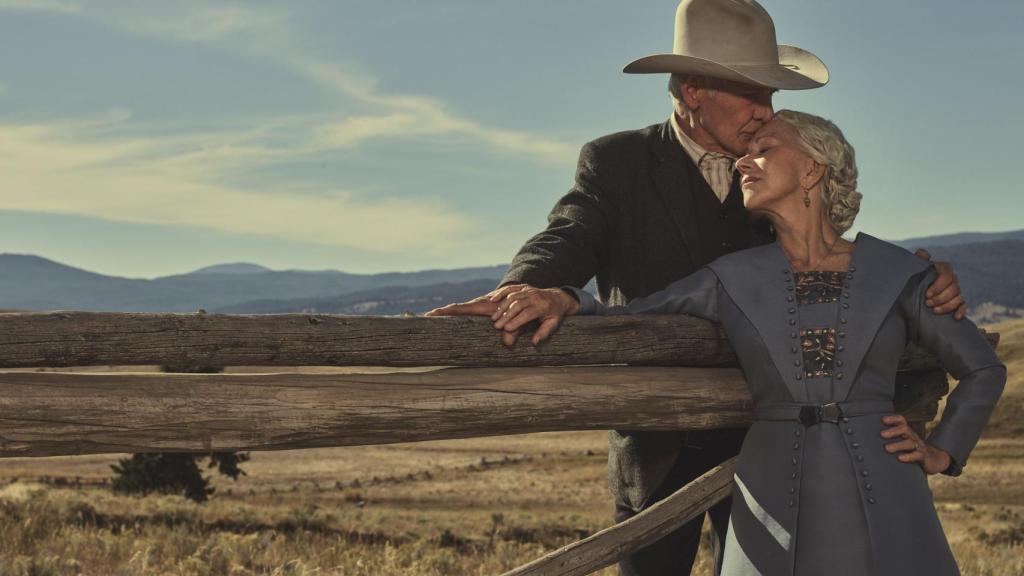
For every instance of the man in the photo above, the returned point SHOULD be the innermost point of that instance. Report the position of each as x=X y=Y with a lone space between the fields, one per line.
x=651 y=206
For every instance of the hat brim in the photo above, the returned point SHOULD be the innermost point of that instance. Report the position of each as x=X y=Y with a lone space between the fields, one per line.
x=798 y=69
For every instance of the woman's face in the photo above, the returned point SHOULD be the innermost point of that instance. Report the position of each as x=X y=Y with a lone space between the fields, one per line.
x=772 y=170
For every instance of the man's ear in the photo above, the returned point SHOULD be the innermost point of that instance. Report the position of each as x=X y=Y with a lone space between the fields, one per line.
x=694 y=93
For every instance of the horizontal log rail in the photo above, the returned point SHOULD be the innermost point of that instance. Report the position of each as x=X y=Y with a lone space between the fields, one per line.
x=48 y=414
x=65 y=339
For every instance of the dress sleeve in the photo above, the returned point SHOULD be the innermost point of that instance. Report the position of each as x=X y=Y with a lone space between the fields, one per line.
x=696 y=295
x=963 y=352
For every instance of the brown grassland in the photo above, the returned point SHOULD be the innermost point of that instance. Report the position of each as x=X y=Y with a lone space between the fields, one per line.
x=479 y=506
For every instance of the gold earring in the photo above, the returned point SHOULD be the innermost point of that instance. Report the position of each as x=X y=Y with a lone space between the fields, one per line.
x=807 y=197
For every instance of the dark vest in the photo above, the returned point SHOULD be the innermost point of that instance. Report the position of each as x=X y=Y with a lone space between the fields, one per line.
x=725 y=226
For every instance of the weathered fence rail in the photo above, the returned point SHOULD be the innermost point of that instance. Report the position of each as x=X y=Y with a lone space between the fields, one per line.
x=61 y=339
x=638 y=373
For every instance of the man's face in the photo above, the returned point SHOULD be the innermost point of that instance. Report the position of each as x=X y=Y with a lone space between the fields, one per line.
x=731 y=113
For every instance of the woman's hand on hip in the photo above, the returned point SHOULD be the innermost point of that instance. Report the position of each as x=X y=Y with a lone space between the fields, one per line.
x=909 y=447
x=519 y=305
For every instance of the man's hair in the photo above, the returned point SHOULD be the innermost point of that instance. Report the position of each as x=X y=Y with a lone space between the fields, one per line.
x=825 y=144
x=676 y=81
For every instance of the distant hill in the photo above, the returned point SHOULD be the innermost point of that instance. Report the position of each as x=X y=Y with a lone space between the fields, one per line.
x=991 y=271
x=388 y=300
x=959 y=238
x=34 y=283
x=988 y=271
x=233 y=268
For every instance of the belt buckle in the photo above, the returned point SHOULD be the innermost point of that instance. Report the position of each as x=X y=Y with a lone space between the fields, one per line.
x=830 y=412
x=809 y=415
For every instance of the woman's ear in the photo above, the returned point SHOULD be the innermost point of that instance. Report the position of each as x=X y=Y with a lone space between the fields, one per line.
x=813 y=174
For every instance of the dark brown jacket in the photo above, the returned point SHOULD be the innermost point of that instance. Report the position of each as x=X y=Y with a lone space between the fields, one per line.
x=639 y=216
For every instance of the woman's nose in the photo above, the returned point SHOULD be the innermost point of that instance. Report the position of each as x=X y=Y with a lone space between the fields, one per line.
x=744 y=164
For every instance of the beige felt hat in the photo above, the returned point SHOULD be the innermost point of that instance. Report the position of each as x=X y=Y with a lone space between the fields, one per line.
x=734 y=40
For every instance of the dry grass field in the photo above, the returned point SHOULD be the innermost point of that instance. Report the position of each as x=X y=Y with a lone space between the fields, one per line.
x=477 y=506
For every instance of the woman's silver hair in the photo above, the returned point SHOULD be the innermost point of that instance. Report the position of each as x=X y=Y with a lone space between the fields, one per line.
x=825 y=144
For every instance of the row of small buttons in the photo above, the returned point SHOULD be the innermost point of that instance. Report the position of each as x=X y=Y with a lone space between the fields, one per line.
x=864 y=472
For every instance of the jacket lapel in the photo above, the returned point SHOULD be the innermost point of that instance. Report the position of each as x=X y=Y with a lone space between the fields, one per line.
x=756 y=280
x=878 y=273
x=673 y=170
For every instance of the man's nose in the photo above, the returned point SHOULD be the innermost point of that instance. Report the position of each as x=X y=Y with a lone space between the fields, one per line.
x=763 y=111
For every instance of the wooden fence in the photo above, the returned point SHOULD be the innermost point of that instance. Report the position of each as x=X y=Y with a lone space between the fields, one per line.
x=629 y=372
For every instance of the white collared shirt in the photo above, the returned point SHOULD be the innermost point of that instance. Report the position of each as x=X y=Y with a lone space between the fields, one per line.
x=716 y=168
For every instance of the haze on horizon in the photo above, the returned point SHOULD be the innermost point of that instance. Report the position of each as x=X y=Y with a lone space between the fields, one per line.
x=143 y=139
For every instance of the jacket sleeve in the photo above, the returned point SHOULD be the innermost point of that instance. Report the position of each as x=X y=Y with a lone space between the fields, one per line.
x=696 y=295
x=963 y=352
x=571 y=249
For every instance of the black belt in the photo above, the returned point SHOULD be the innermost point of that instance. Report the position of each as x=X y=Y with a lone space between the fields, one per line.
x=811 y=414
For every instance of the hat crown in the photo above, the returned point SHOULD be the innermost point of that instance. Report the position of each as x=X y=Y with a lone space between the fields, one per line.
x=726 y=31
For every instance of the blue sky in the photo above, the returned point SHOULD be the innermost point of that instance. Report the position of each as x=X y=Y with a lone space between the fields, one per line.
x=149 y=138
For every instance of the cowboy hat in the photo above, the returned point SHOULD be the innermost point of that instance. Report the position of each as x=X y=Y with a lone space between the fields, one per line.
x=733 y=40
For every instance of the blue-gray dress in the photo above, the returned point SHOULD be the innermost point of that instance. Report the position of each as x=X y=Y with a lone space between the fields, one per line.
x=815 y=491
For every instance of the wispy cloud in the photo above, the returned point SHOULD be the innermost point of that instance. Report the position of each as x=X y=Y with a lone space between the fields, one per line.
x=266 y=34
x=62 y=168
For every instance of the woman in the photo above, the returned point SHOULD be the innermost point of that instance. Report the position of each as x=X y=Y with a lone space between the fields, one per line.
x=829 y=480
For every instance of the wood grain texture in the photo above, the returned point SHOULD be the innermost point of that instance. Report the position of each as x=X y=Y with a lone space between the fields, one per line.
x=608 y=546
x=63 y=339
x=48 y=414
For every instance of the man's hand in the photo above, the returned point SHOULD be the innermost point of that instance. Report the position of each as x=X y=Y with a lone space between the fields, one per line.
x=910 y=446
x=482 y=306
x=944 y=294
x=518 y=306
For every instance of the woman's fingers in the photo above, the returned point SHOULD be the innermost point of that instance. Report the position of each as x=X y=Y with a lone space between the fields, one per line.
x=901 y=446
x=915 y=456
x=896 y=430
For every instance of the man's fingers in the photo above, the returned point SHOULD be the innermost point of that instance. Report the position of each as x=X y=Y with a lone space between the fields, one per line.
x=509 y=338
x=950 y=306
x=922 y=253
x=942 y=281
x=547 y=326
x=514 y=312
x=505 y=306
x=522 y=317
x=944 y=294
x=960 y=312
x=500 y=294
